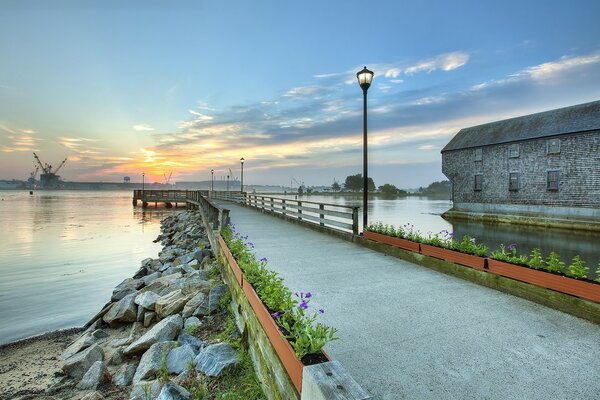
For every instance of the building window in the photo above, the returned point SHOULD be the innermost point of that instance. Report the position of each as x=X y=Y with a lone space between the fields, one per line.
x=553 y=146
x=478 y=154
x=478 y=182
x=513 y=151
x=513 y=181
x=552 y=182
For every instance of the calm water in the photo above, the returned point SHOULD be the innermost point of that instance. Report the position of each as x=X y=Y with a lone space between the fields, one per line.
x=63 y=252
x=425 y=213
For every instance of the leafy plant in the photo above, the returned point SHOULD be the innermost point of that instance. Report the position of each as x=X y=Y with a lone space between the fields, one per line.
x=553 y=263
x=163 y=373
x=509 y=254
x=598 y=274
x=192 y=329
x=191 y=365
x=577 y=269
x=469 y=245
x=535 y=259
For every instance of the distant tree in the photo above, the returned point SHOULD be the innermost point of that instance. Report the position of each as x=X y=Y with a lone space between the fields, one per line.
x=336 y=186
x=354 y=183
x=441 y=188
x=301 y=190
x=309 y=190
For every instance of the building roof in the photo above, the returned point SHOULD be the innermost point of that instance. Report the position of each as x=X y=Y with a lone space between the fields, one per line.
x=578 y=118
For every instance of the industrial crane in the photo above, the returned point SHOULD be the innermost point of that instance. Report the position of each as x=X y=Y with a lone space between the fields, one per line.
x=168 y=180
x=49 y=178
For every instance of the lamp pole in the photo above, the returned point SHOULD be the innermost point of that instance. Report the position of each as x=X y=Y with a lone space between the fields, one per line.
x=365 y=77
x=212 y=180
x=242 y=181
x=143 y=189
x=227 y=183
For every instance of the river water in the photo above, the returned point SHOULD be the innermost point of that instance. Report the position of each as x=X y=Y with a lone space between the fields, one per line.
x=63 y=252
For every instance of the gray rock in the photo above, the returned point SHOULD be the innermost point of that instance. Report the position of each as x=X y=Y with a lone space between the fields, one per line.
x=198 y=255
x=167 y=290
x=189 y=340
x=187 y=269
x=193 y=283
x=165 y=330
x=191 y=321
x=202 y=309
x=154 y=287
x=152 y=388
x=172 y=391
x=216 y=358
x=93 y=377
x=124 y=375
x=171 y=303
x=192 y=304
x=165 y=267
x=126 y=287
x=140 y=314
x=122 y=311
x=186 y=258
x=83 y=342
x=149 y=278
x=78 y=364
x=186 y=375
x=152 y=359
x=194 y=264
x=179 y=357
x=116 y=358
x=133 y=333
x=143 y=271
x=147 y=300
x=149 y=317
x=93 y=396
x=217 y=293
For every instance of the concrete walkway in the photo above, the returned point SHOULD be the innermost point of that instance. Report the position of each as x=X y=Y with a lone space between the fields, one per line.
x=408 y=332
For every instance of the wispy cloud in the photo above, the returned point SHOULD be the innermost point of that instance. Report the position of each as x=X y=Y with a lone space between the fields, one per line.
x=143 y=128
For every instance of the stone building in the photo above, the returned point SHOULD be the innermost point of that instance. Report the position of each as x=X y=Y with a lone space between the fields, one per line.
x=541 y=169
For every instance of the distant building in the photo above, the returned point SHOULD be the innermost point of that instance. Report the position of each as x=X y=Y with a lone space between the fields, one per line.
x=538 y=169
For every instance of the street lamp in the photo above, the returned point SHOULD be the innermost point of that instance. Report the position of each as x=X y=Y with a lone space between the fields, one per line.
x=212 y=180
x=242 y=182
x=143 y=187
x=365 y=77
x=227 y=183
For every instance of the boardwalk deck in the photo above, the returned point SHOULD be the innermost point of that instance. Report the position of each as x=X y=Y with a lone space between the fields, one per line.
x=408 y=332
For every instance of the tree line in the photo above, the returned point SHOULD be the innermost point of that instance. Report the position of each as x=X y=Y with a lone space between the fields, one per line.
x=354 y=183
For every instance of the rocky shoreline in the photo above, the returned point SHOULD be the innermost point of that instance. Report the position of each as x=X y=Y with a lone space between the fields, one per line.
x=160 y=334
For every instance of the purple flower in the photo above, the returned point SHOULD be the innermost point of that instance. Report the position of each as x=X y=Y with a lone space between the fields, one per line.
x=263 y=260
x=321 y=310
x=275 y=315
x=308 y=295
x=303 y=305
x=512 y=246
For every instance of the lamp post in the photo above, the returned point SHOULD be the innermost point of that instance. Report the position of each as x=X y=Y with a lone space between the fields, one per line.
x=212 y=180
x=227 y=183
x=242 y=181
x=365 y=77
x=143 y=187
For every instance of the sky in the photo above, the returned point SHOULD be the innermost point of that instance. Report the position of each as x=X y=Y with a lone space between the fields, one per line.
x=125 y=87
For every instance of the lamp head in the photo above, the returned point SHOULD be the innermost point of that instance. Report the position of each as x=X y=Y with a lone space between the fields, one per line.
x=365 y=77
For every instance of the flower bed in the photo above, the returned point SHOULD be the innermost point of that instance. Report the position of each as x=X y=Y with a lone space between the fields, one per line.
x=294 y=333
x=393 y=241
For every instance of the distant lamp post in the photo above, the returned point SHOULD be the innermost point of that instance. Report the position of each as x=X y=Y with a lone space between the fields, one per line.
x=242 y=181
x=365 y=77
x=212 y=180
x=228 y=183
x=143 y=187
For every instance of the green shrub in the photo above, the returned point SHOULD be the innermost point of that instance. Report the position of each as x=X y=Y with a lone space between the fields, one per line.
x=598 y=274
x=535 y=259
x=577 y=269
x=553 y=263
x=509 y=254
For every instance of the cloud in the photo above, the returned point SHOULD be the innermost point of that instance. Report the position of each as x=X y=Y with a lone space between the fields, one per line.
x=428 y=147
x=565 y=64
x=143 y=128
x=392 y=73
x=445 y=62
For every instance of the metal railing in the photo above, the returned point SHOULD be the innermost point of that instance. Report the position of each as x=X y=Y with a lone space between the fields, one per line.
x=324 y=214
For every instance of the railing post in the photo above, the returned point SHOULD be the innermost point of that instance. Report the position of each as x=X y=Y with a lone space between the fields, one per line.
x=355 y=221
x=322 y=216
x=283 y=206
x=272 y=205
x=263 y=202
x=300 y=210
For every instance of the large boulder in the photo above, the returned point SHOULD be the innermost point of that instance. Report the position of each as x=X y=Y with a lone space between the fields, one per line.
x=217 y=294
x=122 y=311
x=171 y=303
x=145 y=389
x=149 y=278
x=185 y=339
x=78 y=364
x=83 y=342
x=147 y=300
x=179 y=358
x=126 y=287
x=193 y=283
x=165 y=330
x=152 y=359
x=172 y=391
x=93 y=377
x=124 y=375
x=213 y=360
x=191 y=306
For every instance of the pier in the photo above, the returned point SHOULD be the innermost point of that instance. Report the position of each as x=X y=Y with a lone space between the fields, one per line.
x=168 y=197
x=407 y=331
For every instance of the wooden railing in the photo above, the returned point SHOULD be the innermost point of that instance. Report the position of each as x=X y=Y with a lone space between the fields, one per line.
x=215 y=216
x=236 y=197
x=150 y=196
x=324 y=214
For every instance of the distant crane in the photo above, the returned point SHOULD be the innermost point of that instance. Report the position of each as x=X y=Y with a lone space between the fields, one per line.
x=168 y=180
x=49 y=178
x=32 y=176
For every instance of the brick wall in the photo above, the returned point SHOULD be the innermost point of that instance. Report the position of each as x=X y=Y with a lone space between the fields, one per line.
x=578 y=163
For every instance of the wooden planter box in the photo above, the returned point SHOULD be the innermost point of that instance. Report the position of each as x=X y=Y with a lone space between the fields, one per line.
x=392 y=241
x=456 y=257
x=237 y=272
x=563 y=284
